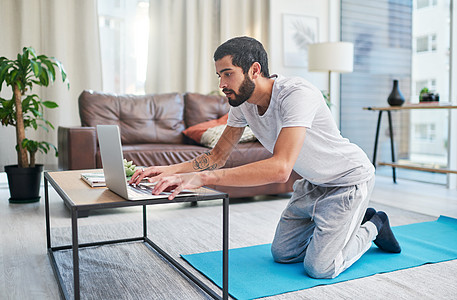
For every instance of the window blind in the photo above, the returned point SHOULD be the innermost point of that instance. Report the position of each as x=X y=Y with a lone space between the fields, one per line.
x=381 y=33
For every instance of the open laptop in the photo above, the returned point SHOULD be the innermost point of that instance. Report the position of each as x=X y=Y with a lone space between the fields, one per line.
x=109 y=139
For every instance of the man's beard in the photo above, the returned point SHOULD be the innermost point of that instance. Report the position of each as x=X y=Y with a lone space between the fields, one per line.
x=245 y=92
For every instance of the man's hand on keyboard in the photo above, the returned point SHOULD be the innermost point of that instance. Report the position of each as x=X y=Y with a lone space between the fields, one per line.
x=151 y=174
x=177 y=183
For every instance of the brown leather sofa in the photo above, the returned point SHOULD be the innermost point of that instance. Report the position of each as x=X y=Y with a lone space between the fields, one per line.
x=151 y=129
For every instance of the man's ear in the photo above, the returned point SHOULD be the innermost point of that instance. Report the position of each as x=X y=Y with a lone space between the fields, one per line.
x=256 y=70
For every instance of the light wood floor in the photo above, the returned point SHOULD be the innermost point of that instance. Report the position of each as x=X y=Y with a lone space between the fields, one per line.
x=429 y=199
x=25 y=272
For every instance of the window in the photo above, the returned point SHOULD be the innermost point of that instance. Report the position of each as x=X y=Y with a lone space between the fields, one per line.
x=433 y=42
x=124 y=28
x=425 y=3
x=422 y=44
x=426 y=43
x=426 y=132
x=429 y=129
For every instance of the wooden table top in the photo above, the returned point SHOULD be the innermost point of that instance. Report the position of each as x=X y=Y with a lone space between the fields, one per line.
x=431 y=105
x=73 y=189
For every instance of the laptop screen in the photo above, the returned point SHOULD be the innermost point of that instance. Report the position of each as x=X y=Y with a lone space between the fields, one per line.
x=109 y=139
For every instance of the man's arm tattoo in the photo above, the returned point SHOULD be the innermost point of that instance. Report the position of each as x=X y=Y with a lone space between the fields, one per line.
x=202 y=163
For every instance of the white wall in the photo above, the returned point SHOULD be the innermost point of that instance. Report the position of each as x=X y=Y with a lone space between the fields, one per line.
x=328 y=14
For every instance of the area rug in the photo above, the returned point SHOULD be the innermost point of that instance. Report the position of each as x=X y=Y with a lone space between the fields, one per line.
x=120 y=271
x=254 y=274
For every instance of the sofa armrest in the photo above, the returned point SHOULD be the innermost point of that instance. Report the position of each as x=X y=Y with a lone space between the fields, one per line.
x=77 y=148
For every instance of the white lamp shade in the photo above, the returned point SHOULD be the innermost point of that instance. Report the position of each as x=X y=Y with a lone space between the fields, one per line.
x=334 y=57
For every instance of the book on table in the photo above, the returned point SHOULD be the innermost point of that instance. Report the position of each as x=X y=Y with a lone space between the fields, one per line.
x=94 y=179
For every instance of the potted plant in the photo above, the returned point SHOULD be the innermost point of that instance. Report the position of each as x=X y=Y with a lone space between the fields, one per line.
x=426 y=96
x=25 y=110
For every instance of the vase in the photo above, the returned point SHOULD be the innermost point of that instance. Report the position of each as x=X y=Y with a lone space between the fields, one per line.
x=24 y=183
x=396 y=97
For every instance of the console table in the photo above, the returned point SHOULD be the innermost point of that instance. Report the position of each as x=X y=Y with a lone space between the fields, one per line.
x=78 y=196
x=393 y=164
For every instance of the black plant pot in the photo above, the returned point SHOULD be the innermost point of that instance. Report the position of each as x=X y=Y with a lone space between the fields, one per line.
x=24 y=183
x=396 y=97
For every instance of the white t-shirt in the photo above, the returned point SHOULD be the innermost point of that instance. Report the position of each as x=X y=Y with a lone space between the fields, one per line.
x=326 y=158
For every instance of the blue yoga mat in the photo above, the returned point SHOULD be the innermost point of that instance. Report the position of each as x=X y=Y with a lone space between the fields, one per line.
x=254 y=274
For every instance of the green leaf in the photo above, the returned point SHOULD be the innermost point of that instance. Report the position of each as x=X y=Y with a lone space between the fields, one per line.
x=26 y=102
x=33 y=124
x=36 y=103
x=24 y=61
x=30 y=145
x=19 y=85
x=36 y=68
x=5 y=65
x=62 y=70
x=51 y=70
x=44 y=147
x=49 y=124
x=7 y=104
x=44 y=79
x=32 y=51
x=44 y=127
x=13 y=76
x=50 y=104
x=36 y=112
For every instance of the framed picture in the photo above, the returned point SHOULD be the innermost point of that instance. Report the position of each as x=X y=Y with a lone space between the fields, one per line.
x=298 y=32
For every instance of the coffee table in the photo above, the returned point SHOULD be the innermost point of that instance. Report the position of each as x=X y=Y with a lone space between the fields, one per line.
x=78 y=196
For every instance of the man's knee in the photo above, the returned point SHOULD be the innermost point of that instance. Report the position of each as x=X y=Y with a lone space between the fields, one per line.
x=318 y=269
x=281 y=255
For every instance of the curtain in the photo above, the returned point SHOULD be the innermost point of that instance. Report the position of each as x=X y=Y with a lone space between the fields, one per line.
x=184 y=34
x=67 y=30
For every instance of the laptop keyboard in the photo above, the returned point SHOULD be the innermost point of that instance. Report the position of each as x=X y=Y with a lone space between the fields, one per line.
x=146 y=189
x=140 y=190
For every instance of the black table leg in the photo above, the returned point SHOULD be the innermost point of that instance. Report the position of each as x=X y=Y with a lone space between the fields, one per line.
x=391 y=133
x=225 y=247
x=145 y=229
x=75 y=246
x=46 y=208
x=377 y=138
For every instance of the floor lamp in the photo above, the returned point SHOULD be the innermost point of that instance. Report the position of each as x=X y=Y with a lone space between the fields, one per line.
x=331 y=57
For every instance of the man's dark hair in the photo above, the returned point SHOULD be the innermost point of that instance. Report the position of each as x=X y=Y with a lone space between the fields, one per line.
x=244 y=51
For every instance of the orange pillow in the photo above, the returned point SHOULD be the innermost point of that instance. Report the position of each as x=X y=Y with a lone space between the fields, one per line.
x=195 y=132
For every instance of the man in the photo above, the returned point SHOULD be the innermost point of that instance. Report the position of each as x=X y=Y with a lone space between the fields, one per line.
x=326 y=224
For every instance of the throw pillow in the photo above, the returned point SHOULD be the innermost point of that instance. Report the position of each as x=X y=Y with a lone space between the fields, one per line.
x=209 y=132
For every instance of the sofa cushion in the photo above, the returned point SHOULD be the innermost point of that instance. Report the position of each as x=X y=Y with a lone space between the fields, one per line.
x=196 y=131
x=141 y=118
x=211 y=136
x=201 y=108
x=209 y=132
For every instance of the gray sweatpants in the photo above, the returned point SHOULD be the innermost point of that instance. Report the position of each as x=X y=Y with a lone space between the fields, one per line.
x=321 y=227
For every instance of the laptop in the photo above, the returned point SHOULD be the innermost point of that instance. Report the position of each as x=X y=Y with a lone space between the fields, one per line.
x=109 y=139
